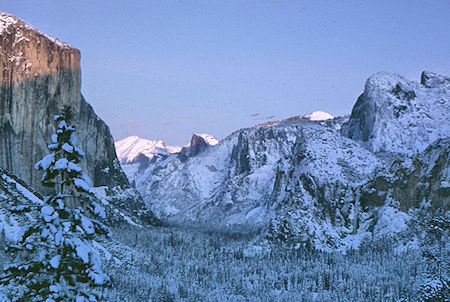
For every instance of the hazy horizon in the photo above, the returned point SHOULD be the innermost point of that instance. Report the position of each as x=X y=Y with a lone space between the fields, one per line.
x=164 y=70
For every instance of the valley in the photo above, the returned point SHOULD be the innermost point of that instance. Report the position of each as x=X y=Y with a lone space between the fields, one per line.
x=311 y=207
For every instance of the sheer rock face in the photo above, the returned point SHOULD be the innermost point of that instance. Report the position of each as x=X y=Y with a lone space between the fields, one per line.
x=39 y=76
x=27 y=54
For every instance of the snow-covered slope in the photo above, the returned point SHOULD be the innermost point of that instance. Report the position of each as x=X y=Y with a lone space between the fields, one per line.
x=15 y=191
x=301 y=180
x=12 y=190
x=129 y=149
x=401 y=116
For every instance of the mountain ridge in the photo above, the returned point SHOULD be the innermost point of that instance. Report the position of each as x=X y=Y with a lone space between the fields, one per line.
x=301 y=180
x=129 y=148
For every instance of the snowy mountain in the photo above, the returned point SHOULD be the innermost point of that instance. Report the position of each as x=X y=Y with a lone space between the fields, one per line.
x=301 y=180
x=401 y=116
x=129 y=149
x=135 y=153
x=208 y=138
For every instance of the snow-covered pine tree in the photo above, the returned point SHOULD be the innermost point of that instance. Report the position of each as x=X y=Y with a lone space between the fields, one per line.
x=56 y=261
x=436 y=286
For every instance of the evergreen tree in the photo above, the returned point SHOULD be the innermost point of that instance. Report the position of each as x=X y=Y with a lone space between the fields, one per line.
x=436 y=286
x=56 y=261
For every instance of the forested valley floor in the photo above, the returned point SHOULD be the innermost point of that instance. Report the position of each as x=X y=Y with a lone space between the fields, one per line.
x=179 y=264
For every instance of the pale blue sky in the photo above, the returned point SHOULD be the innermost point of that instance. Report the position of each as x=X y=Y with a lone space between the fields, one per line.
x=166 y=69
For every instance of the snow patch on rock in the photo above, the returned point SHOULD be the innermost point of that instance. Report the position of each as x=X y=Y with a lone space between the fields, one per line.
x=7 y=21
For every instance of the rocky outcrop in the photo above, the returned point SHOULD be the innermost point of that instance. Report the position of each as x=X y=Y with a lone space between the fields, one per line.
x=39 y=76
x=400 y=116
x=434 y=80
x=425 y=179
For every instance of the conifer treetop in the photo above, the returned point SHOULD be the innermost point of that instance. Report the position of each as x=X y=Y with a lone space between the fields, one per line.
x=55 y=257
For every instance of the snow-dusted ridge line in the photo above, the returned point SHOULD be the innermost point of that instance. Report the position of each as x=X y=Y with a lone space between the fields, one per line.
x=20 y=188
x=129 y=148
x=8 y=20
x=315 y=116
x=301 y=178
x=22 y=191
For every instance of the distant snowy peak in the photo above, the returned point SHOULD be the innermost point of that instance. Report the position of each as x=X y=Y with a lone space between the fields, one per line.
x=198 y=144
x=208 y=138
x=318 y=116
x=129 y=149
x=315 y=116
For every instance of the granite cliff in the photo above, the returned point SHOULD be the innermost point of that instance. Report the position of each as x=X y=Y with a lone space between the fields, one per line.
x=39 y=76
